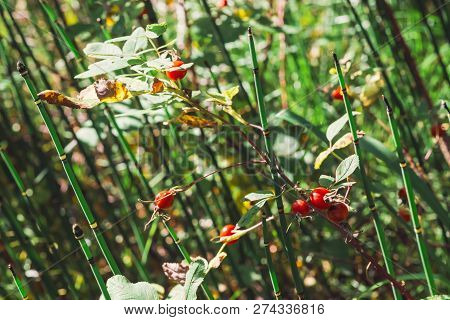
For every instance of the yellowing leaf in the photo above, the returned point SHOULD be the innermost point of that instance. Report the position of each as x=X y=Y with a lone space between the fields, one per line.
x=230 y=93
x=100 y=91
x=243 y=14
x=109 y=21
x=217 y=260
x=111 y=91
x=234 y=114
x=372 y=89
x=343 y=142
x=321 y=158
x=225 y=98
x=157 y=86
x=197 y=122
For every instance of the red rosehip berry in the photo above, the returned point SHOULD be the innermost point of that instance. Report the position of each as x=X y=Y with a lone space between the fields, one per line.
x=404 y=214
x=176 y=74
x=338 y=212
x=336 y=94
x=402 y=194
x=143 y=13
x=301 y=207
x=222 y=3
x=316 y=198
x=164 y=199
x=228 y=231
x=437 y=131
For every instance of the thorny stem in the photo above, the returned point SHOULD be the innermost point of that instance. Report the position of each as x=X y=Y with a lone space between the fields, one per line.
x=355 y=243
x=274 y=172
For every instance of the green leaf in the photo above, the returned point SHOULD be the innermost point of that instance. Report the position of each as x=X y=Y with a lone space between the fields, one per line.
x=326 y=181
x=160 y=64
x=258 y=195
x=118 y=39
x=135 y=86
x=101 y=50
x=250 y=214
x=136 y=42
x=337 y=126
x=177 y=293
x=103 y=67
x=153 y=31
x=347 y=167
x=119 y=288
x=217 y=97
x=194 y=277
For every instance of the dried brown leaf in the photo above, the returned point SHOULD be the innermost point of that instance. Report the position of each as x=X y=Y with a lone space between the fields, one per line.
x=197 y=122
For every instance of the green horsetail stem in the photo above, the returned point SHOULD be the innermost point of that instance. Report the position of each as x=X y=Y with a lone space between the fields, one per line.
x=385 y=250
x=411 y=201
x=54 y=21
x=42 y=230
x=79 y=235
x=276 y=182
x=26 y=245
x=115 y=175
x=124 y=199
x=18 y=282
x=69 y=170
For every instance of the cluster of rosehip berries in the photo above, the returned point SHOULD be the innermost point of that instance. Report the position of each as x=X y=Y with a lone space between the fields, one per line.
x=336 y=211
